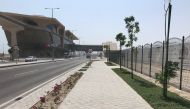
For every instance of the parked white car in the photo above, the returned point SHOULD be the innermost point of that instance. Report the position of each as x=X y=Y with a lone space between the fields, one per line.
x=30 y=59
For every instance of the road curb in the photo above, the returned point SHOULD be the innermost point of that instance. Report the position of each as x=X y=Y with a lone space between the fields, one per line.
x=30 y=97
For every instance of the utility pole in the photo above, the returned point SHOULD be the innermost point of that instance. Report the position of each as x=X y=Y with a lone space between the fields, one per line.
x=167 y=49
x=3 y=53
x=52 y=45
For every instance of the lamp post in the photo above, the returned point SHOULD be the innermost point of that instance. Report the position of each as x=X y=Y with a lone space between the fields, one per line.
x=74 y=53
x=167 y=35
x=80 y=52
x=108 y=51
x=3 y=53
x=3 y=48
x=53 y=51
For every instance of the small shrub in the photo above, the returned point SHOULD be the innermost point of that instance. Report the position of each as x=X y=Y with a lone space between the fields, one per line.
x=172 y=68
x=89 y=63
x=56 y=89
x=42 y=99
x=109 y=64
x=57 y=100
x=82 y=69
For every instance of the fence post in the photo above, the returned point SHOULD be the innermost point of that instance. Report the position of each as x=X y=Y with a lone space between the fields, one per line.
x=127 y=59
x=142 y=61
x=118 y=58
x=124 y=59
x=109 y=53
x=132 y=62
x=109 y=57
x=163 y=56
x=136 y=59
x=182 y=57
x=150 y=60
x=121 y=59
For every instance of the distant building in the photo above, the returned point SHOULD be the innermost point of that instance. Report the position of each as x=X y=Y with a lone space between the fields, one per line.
x=113 y=46
x=35 y=35
x=4 y=56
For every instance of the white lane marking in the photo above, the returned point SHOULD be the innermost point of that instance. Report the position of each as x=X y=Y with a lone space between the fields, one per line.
x=38 y=62
x=25 y=73
x=49 y=67
x=26 y=64
x=8 y=68
x=21 y=66
x=11 y=101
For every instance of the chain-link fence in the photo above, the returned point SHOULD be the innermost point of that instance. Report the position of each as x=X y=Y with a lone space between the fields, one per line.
x=149 y=59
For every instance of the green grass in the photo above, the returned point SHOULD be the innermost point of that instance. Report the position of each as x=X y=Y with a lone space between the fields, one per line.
x=152 y=93
x=85 y=67
x=82 y=69
x=109 y=64
x=89 y=64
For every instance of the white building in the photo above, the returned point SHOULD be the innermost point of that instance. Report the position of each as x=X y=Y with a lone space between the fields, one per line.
x=112 y=45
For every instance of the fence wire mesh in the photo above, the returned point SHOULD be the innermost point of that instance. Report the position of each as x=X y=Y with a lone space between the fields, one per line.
x=157 y=53
x=150 y=59
x=139 y=57
x=186 y=65
x=146 y=60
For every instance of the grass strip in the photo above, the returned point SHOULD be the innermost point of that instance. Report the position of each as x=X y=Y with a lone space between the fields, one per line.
x=82 y=69
x=89 y=63
x=109 y=64
x=85 y=67
x=152 y=93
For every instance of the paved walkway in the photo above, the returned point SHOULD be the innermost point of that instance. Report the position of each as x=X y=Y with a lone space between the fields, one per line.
x=101 y=88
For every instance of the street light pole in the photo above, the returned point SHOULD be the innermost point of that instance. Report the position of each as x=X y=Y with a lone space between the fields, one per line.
x=80 y=48
x=53 y=49
x=3 y=52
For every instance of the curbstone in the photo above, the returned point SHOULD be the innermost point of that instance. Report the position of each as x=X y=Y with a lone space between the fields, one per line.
x=30 y=99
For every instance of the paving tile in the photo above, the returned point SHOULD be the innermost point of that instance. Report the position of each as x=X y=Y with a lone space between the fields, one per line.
x=101 y=88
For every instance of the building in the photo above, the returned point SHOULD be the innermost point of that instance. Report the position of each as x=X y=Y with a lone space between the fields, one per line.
x=112 y=45
x=35 y=35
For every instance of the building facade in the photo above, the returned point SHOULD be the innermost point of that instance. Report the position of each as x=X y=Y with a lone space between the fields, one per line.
x=35 y=35
x=112 y=45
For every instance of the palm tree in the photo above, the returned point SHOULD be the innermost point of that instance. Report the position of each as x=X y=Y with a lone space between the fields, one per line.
x=133 y=28
x=121 y=38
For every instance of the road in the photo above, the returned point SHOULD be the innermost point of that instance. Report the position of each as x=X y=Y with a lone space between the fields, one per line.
x=17 y=80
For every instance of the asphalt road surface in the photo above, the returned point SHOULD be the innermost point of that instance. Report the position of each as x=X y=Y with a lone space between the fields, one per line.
x=17 y=80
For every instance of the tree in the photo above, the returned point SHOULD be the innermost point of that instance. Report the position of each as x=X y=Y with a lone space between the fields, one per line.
x=121 y=38
x=172 y=68
x=133 y=28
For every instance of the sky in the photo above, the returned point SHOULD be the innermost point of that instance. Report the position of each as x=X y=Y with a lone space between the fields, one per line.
x=98 y=21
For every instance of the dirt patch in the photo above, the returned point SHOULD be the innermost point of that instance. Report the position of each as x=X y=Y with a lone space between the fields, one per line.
x=59 y=92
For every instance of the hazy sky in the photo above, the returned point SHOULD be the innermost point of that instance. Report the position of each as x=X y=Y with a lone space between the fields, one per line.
x=97 y=21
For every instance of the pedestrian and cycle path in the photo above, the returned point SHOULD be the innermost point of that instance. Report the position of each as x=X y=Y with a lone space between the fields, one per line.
x=101 y=88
